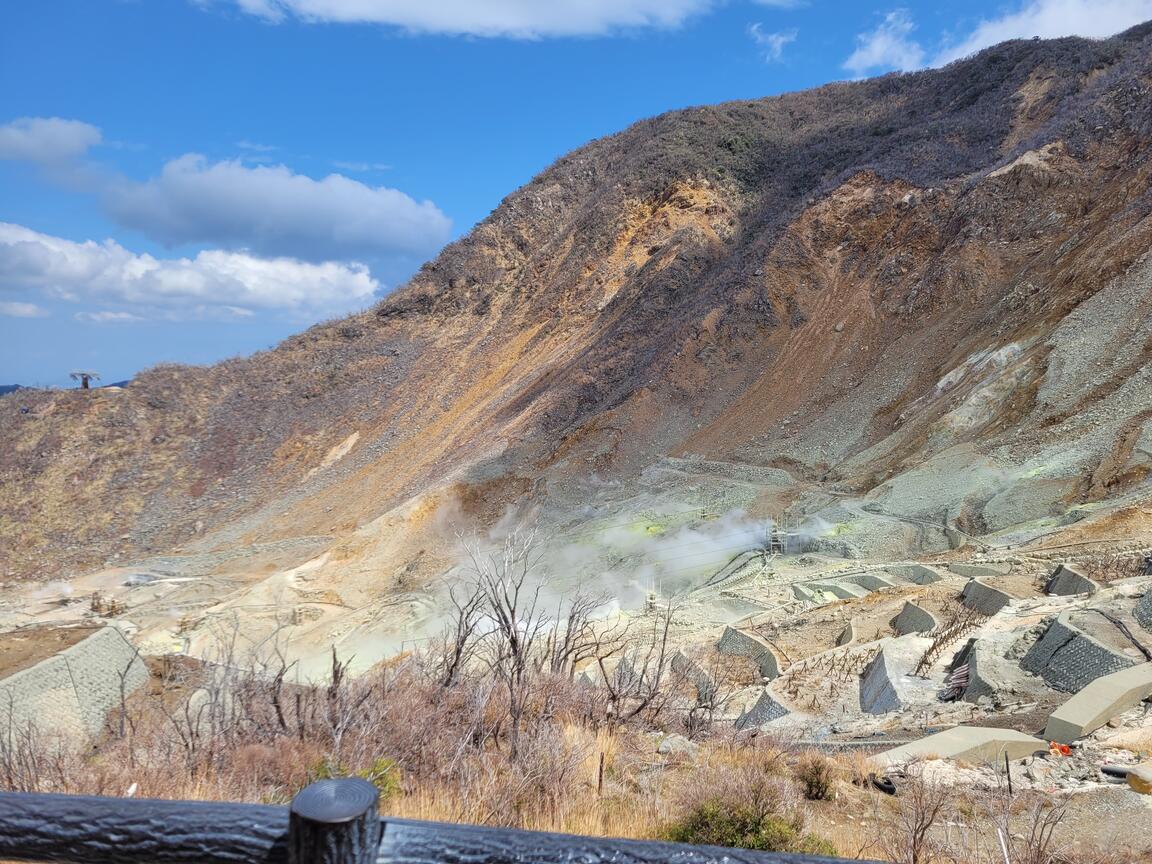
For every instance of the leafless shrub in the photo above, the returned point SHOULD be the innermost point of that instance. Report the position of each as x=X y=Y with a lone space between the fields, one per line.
x=923 y=805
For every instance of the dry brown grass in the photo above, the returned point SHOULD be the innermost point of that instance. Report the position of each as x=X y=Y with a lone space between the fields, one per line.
x=440 y=753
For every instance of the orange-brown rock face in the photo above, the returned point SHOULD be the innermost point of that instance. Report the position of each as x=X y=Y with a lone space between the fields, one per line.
x=927 y=292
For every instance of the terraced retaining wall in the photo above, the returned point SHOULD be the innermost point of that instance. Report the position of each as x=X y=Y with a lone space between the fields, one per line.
x=740 y=644
x=1065 y=581
x=984 y=598
x=71 y=693
x=1068 y=659
x=764 y=711
x=913 y=619
x=1143 y=611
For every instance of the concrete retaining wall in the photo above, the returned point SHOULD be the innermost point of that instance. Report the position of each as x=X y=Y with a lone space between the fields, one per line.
x=692 y=672
x=1065 y=581
x=1143 y=611
x=887 y=683
x=1068 y=659
x=977 y=571
x=1099 y=702
x=764 y=711
x=847 y=635
x=840 y=590
x=871 y=581
x=71 y=693
x=913 y=619
x=803 y=592
x=921 y=574
x=983 y=598
x=737 y=643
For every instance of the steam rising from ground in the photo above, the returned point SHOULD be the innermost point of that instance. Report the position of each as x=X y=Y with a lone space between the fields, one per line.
x=668 y=550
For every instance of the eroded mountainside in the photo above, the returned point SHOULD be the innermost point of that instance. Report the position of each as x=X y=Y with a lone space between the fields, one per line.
x=923 y=295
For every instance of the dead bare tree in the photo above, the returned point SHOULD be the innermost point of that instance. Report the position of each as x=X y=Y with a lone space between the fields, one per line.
x=580 y=634
x=637 y=683
x=923 y=806
x=510 y=576
x=342 y=703
x=457 y=644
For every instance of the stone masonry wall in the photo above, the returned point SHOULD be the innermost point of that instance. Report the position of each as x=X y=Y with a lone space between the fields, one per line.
x=71 y=693
x=1068 y=659
x=736 y=642
x=1143 y=611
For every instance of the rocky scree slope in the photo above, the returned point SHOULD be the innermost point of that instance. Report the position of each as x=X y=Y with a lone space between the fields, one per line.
x=934 y=281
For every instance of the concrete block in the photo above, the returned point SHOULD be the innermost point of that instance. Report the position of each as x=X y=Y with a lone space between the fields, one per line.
x=914 y=619
x=977 y=571
x=979 y=744
x=764 y=711
x=983 y=598
x=1099 y=702
x=741 y=644
x=1066 y=581
x=1068 y=659
x=70 y=693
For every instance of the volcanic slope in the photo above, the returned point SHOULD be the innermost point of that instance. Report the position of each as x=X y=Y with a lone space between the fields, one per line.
x=918 y=305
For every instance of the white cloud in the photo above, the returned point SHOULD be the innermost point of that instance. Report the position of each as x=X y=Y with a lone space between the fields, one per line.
x=772 y=44
x=217 y=283
x=521 y=19
x=22 y=310
x=1049 y=19
x=890 y=46
x=362 y=167
x=265 y=208
x=46 y=139
x=272 y=211
x=107 y=317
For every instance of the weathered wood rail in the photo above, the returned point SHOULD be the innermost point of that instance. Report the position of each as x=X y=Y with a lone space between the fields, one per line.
x=329 y=822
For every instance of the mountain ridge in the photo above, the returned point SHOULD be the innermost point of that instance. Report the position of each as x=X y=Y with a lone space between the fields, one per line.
x=700 y=285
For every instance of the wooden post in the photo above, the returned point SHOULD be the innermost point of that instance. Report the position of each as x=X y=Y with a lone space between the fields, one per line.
x=334 y=822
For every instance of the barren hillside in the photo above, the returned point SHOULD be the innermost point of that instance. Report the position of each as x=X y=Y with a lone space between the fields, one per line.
x=923 y=300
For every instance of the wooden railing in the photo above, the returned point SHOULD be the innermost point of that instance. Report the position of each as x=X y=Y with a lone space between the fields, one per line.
x=329 y=822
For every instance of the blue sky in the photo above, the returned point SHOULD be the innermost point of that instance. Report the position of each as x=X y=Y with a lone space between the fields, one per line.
x=187 y=180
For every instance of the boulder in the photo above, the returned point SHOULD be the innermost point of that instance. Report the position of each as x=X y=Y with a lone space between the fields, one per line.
x=1140 y=778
